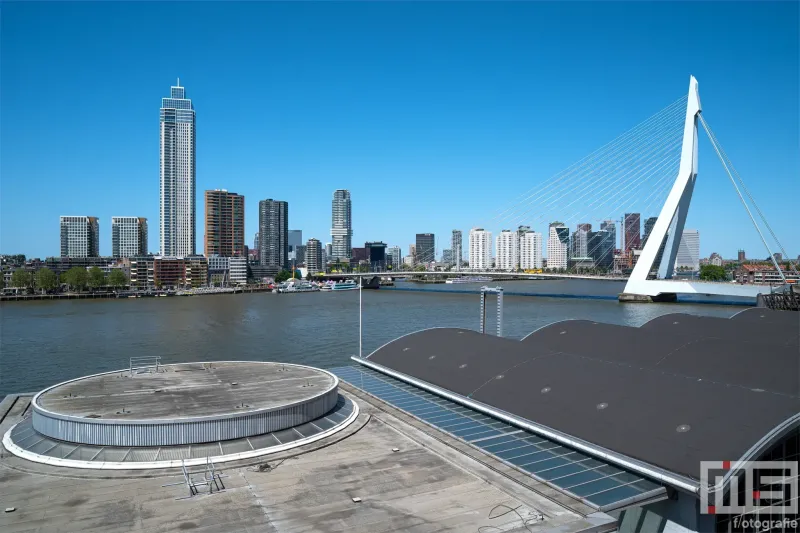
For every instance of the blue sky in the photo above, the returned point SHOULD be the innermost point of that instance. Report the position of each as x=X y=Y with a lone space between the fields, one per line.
x=434 y=115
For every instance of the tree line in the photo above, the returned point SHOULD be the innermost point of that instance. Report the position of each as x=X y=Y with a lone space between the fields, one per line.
x=76 y=278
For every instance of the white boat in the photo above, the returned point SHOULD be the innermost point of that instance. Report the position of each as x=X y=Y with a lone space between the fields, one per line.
x=327 y=286
x=346 y=285
x=296 y=286
x=469 y=279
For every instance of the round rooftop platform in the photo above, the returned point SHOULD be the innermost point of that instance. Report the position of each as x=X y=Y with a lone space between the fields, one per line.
x=189 y=403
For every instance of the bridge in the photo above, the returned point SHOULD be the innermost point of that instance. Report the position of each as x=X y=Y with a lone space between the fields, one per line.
x=654 y=163
x=469 y=273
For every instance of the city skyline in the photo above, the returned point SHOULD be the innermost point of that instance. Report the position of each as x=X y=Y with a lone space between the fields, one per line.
x=521 y=156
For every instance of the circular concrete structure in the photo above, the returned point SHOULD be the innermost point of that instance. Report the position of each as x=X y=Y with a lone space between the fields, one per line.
x=189 y=403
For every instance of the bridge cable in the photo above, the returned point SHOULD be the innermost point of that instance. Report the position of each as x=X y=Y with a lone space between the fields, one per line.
x=792 y=265
x=744 y=203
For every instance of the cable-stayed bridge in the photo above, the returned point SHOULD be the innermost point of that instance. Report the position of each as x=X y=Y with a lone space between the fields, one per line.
x=653 y=164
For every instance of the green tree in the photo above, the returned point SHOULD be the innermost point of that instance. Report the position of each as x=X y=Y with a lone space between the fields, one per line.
x=46 y=279
x=713 y=273
x=96 y=278
x=117 y=278
x=282 y=276
x=76 y=277
x=21 y=278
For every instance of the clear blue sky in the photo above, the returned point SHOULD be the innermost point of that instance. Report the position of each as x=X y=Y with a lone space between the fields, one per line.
x=434 y=115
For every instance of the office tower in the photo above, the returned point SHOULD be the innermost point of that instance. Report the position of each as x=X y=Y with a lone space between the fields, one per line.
x=128 y=236
x=329 y=250
x=299 y=254
x=412 y=251
x=649 y=224
x=273 y=233
x=530 y=250
x=426 y=248
x=342 y=225
x=358 y=254
x=558 y=246
x=314 y=252
x=447 y=257
x=224 y=227
x=601 y=249
x=394 y=257
x=689 y=250
x=507 y=250
x=632 y=231
x=177 y=206
x=376 y=255
x=80 y=237
x=611 y=227
x=742 y=257
x=480 y=249
x=456 y=247
x=255 y=242
x=295 y=239
x=580 y=241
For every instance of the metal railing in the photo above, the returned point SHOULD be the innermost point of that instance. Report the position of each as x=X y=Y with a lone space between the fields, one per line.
x=144 y=363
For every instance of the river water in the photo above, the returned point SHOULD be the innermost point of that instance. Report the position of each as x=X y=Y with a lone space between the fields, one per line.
x=44 y=342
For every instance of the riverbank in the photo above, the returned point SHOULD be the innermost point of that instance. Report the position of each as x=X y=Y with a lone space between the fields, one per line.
x=129 y=294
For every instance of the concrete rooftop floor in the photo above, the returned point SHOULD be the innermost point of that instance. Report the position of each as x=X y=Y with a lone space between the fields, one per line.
x=432 y=483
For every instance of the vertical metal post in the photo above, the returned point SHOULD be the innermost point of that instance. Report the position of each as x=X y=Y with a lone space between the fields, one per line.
x=500 y=312
x=483 y=311
x=360 y=336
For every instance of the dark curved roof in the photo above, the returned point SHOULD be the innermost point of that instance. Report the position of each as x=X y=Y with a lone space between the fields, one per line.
x=731 y=381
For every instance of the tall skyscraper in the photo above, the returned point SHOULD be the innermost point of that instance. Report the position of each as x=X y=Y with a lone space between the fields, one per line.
x=558 y=246
x=295 y=240
x=178 y=214
x=329 y=250
x=342 y=225
x=530 y=250
x=507 y=250
x=601 y=249
x=80 y=237
x=426 y=248
x=255 y=242
x=128 y=236
x=742 y=257
x=394 y=257
x=689 y=250
x=376 y=255
x=224 y=227
x=580 y=241
x=480 y=249
x=314 y=256
x=649 y=224
x=456 y=247
x=273 y=234
x=633 y=231
x=611 y=227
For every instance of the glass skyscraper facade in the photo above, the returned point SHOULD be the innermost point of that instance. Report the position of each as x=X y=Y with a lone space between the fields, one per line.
x=177 y=205
x=341 y=225
x=273 y=234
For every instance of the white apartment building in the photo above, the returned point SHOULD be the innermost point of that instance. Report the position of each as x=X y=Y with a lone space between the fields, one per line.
x=480 y=249
x=507 y=250
x=232 y=269
x=689 y=250
x=558 y=246
x=530 y=250
x=80 y=237
x=128 y=236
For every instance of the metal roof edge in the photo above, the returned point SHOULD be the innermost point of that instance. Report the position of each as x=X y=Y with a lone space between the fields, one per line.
x=651 y=471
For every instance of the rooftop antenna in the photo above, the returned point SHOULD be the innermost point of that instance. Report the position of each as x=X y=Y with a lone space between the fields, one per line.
x=179 y=82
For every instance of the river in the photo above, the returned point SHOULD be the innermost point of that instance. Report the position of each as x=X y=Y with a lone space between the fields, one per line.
x=44 y=342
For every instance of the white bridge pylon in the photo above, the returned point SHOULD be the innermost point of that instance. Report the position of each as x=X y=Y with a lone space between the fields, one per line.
x=670 y=224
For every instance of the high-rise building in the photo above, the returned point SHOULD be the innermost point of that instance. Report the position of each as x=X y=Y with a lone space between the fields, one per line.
x=742 y=257
x=601 y=249
x=649 y=224
x=342 y=225
x=633 y=231
x=376 y=255
x=447 y=257
x=480 y=249
x=426 y=248
x=177 y=209
x=456 y=247
x=507 y=250
x=580 y=241
x=273 y=234
x=80 y=237
x=224 y=227
x=329 y=250
x=394 y=257
x=255 y=242
x=299 y=254
x=295 y=239
x=530 y=250
x=314 y=252
x=689 y=250
x=128 y=236
x=358 y=254
x=412 y=251
x=611 y=227
x=558 y=246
